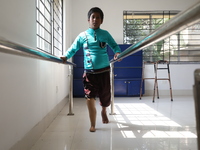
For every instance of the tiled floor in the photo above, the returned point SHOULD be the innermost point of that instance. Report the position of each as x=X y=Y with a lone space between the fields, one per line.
x=137 y=125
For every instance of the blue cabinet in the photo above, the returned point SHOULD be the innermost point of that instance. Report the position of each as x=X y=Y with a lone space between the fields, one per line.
x=120 y=87
x=127 y=87
x=78 y=88
x=127 y=74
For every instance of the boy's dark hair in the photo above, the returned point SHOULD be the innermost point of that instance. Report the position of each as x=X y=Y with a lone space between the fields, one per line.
x=95 y=9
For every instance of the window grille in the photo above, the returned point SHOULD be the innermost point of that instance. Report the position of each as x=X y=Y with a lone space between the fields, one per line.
x=49 y=26
x=183 y=47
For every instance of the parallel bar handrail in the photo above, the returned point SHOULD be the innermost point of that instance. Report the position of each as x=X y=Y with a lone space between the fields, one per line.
x=18 y=49
x=181 y=21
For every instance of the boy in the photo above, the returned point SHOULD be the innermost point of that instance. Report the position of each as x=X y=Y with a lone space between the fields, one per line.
x=96 y=77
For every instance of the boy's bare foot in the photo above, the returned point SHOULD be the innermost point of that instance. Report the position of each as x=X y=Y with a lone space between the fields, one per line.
x=92 y=129
x=104 y=117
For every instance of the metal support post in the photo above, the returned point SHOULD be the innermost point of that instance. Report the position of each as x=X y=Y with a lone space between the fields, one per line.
x=196 y=93
x=70 y=90
x=112 y=88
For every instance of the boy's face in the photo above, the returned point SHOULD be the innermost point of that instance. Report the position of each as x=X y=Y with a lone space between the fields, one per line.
x=95 y=20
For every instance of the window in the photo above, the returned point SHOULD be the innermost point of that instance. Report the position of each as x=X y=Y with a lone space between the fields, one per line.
x=183 y=47
x=49 y=26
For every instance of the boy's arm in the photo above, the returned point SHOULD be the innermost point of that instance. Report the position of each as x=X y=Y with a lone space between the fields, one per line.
x=111 y=42
x=115 y=47
x=76 y=45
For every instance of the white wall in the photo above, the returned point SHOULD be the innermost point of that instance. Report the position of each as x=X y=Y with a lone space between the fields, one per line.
x=67 y=16
x=113 y=12
x=30 y=89
x=181 y=75
x=182 y=79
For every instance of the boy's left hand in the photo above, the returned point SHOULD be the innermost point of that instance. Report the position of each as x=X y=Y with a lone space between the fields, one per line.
x=115 y=57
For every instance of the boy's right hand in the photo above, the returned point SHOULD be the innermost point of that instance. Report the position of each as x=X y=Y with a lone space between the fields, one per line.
x=64 y=59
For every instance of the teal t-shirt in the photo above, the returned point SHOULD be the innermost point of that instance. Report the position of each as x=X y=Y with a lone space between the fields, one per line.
x=93 y=42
